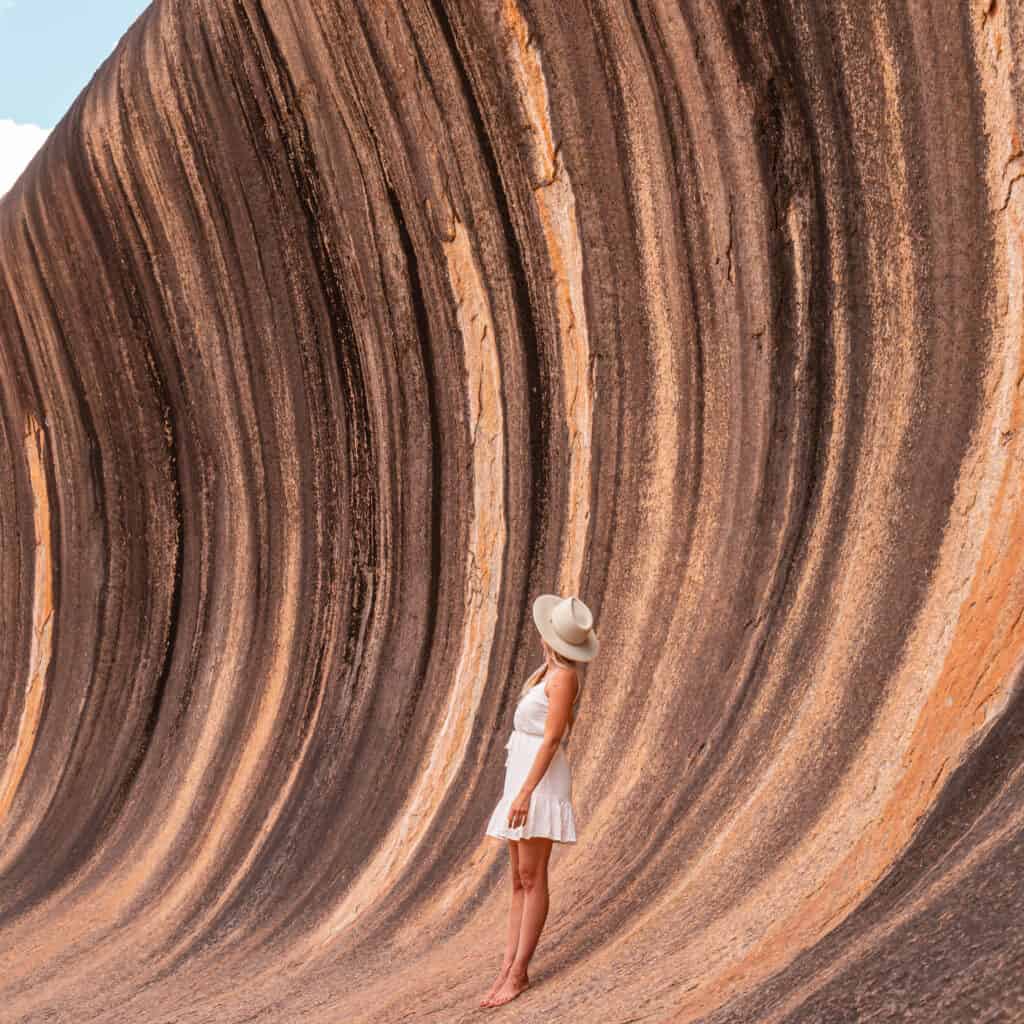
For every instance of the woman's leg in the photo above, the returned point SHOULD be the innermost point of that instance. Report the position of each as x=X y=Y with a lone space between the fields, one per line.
x=515 y=915
x=533 y=873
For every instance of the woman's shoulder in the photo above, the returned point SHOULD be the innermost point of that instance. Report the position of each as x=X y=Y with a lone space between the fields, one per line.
x=564 y=677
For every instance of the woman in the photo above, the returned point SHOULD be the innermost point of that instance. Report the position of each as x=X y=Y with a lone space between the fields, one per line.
x=535 y=809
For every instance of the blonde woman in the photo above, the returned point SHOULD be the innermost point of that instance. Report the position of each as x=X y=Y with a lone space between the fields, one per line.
x=535 y=809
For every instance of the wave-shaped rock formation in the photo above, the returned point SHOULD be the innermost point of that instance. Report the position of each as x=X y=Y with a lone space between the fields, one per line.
x=333 y=333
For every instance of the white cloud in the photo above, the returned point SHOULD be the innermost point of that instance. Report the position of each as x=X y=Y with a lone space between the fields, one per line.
x=18 y=144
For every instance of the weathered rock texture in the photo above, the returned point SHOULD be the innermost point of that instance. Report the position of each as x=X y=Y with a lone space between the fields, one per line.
x=334 y=332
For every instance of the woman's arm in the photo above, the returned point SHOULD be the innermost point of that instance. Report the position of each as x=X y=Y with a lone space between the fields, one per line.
x=561 y=693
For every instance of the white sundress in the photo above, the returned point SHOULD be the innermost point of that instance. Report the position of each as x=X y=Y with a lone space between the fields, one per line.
x=551 y=813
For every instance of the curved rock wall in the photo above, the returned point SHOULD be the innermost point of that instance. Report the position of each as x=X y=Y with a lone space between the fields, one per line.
x=335 y=332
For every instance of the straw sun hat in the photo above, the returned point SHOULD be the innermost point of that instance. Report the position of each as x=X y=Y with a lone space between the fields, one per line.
x=567 y=624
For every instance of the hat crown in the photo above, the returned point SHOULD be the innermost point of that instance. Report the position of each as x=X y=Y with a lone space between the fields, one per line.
x=571 y=620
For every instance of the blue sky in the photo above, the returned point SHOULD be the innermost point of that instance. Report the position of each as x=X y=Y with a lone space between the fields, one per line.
x=49 y=50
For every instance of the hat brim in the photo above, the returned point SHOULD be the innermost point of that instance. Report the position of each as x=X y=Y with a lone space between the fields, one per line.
x=542 y=620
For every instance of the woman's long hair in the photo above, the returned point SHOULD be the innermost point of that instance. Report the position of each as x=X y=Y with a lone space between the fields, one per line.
x=562 y=662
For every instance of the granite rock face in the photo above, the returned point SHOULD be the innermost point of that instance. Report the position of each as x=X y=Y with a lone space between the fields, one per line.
x=335 y=332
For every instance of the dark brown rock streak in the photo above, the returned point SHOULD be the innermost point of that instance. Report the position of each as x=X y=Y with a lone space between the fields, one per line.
x=334 y=332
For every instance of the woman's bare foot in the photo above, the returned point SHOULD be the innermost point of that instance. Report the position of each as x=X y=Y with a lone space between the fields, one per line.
x=514 y=984
x=502 y=975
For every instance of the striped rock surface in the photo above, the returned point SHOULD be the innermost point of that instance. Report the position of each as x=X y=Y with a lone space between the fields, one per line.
x=335 y=332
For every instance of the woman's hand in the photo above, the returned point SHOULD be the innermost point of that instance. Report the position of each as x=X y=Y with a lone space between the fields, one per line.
x=517 y=811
